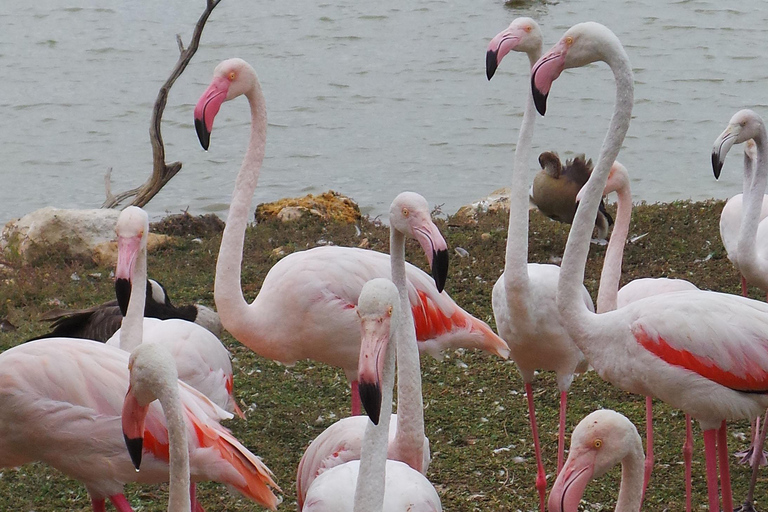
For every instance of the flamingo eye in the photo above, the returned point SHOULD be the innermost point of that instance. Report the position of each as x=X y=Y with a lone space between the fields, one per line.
x=569 y=40
x=232 y=76
x=406 y=213
x=389 y=311
x=528 y=28
x=597 y=443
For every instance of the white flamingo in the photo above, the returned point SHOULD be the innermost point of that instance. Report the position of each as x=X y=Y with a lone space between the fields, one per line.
x=202 y=360
x=524 y=297
x=305 y=308
x=375 y=483
x=601 y=440
x=680 y=347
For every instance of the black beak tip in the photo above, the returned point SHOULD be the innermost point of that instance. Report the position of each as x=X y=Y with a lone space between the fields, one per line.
x=135 y=447
x=491 y=63
x=440 y=268
x=203 y=135
x=607 y=215
x=123 y=294
x=717 y=165
x=540 y=100
x=370 y=396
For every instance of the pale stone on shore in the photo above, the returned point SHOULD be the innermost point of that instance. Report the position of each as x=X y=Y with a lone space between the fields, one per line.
x=497 y=200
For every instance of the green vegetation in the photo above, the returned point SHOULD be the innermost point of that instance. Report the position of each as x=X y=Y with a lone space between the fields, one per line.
x=476 y=416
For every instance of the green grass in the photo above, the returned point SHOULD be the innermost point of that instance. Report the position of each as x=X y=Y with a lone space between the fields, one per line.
x=475 y=410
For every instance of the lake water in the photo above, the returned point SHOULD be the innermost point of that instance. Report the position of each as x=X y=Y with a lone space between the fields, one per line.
x=366 y=98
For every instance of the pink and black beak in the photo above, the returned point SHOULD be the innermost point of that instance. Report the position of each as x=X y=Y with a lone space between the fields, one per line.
x=128 y=250
x=499 y=46
x=569 y=487
x=207 y=107
x=133 y=417
x=436 y=250
x=722 y=145
x=375 y=331
x=544 y=72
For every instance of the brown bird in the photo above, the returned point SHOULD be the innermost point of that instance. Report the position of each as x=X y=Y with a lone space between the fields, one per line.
x=555 y=187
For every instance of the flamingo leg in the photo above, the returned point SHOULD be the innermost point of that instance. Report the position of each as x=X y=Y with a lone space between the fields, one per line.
x=648 y=442
x=196 y=506
x=688 y=458
x=541 y=477
x=710 y=449
x=725 y=472
x=99 y=505
x=121 y=503
x=748 y=505
x=561 y=431
x=356 y=404
x=743 y=287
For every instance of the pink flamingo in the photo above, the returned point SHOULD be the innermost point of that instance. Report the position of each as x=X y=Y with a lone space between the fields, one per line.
x=305 y=308
x=601 y=440
x=341 y=442
x=524 y=296
x=202 y=360
x=683 y=347
x=60 y=404
x=375 y=483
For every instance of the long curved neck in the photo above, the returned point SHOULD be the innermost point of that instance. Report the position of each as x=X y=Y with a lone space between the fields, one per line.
x=227 y=291
x=516 y=256
x=614 y=254
x=371 y=477
x=750 y=216
x=631 y=490
x=178 y=499
x=410 y=403
x=132 y=328
x=574 y=312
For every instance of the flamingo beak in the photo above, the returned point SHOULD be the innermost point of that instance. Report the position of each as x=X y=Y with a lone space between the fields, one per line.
x=544 y=72
x=722 y=145
x=128 y=250
x=375 y=334
x=436 y=250
x=207 y=107
x=571 y=482
x=499 y=46
x=133 y=417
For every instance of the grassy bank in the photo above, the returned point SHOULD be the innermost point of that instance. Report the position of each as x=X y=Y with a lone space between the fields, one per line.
x=475 y=412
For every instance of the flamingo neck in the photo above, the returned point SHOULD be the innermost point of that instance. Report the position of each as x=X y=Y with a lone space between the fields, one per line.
x=410 y=403
x=227 y=290
x=132 y=328
x=631 y=490
x=516 y=257
x=371 y=477
x=178 y=499
x=614 y=254
x=570 y=301
x=750 y=262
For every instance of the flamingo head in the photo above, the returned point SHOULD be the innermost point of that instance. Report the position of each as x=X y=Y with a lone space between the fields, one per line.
x=581 y=44
x=743 y=126
x=378 y=301
x=131 y=229
x=409 y=214
x=618 y=179
x=231 y=78
x=151 y=369
x=600 y=441
x=522 y=35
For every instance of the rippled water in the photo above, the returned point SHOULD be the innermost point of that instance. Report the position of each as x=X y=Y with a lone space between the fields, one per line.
x=365 y=98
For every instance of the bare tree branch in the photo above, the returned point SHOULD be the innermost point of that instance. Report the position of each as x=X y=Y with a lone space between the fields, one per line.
x=161 y=172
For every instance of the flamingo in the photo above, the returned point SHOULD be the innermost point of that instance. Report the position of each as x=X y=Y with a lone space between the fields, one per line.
x=341 y=442
x=375 y=483
x=202 y=361
x=60 y=404
x=601 y=440
x=305 y=308
x=100 y=322
x=524 y=296
x=684 y=347
x=750 y=231
x=610 y=297
x=555 y=187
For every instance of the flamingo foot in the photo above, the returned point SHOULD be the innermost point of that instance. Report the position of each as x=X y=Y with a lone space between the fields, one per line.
x=745 y=507
x=745 y=456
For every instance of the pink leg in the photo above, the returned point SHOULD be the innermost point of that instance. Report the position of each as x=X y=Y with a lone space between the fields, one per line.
x=561 y=431
x=196 y=506
x=758 y=449
x=725 y=472
x=98 y=505
x=356 y=405
x=710 y=453
x=648 y=442
x=541 y=477
x=120 y=503
x=743 y=287
x=688 y=458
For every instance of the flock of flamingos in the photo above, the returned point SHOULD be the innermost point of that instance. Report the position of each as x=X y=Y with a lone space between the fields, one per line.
x=126 y=411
